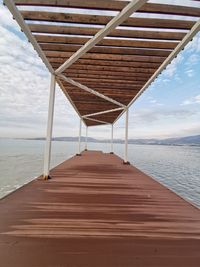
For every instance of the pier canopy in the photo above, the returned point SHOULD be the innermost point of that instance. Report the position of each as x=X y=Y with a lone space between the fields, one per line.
x=104 y=54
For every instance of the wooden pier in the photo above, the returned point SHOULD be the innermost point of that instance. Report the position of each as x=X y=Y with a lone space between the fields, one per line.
x=97 y=212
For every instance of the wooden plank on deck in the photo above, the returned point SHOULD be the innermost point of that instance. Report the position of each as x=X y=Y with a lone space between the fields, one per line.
x=97 y=212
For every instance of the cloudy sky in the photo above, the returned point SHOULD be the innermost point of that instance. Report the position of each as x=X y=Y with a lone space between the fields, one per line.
x=170 y=107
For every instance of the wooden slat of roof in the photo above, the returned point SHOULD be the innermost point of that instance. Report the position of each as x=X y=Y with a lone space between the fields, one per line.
x=106 y=49
x=106 y=42
x=103 y=20
x=131 y=58
x=107 y=117
x=115 y=6
x=116 y=67
x=110 y=70
x=125 y=33
x=110 y=75
x=136 y=73
x=114 y=87
x=117 y=86
x=109 y=89
x=96 y=80
x=137 y=78
x=94 y=103
x=79 y=96
x=124 y=99
x=92 y=123
x=93 y=62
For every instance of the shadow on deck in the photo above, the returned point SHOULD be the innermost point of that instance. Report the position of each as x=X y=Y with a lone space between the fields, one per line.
x=97 y=212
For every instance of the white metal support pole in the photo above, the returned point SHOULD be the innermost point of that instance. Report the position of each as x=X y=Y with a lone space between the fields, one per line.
x=47 y=155
x=126 y=140
x=79 y=141
x=86 y=137
x=111 y=152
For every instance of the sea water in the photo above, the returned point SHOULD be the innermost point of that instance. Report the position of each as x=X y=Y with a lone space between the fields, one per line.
x=177 y=167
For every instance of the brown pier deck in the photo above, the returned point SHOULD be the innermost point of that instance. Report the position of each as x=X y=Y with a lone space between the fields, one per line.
x=97 y=212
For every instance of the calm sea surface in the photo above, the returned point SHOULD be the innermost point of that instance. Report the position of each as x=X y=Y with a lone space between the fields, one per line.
x=174 y=166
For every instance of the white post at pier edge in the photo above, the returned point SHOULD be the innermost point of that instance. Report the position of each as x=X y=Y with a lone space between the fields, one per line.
x=47 y=155
x=126 y=140
x=111 y=139
x=79 y=140
x=86 y=137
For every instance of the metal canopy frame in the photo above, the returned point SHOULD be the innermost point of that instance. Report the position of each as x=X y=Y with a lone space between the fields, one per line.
x=163 y=57
x=133 y=6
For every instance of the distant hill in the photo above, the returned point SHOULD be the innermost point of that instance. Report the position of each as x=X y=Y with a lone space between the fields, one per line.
x=188 y=140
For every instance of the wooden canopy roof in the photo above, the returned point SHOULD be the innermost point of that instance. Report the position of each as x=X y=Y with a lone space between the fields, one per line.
x=121 y=65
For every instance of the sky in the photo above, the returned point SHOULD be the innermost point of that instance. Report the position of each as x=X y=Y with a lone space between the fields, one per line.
x=170 y=107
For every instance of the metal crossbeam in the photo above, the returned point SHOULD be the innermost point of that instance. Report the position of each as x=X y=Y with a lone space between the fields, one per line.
x=79 y=139
x=89 y=90
x=86 y=137
x=104 y=122
x=102 y=112
x=111 y=141
x=133 y=6
x=188 y=37
x=68 y=97
x=126 y=139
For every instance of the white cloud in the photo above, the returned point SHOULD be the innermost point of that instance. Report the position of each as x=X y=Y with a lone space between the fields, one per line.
x=6 y=18
x=197 y=99
x=24 y=88
x=190 y=72
x=191 y=101
x=154 y=102
x=193 y=59
x=194 y=46
x=149 y=116
x=172 y=68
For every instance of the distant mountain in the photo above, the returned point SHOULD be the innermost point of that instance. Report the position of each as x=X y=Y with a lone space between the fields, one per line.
x=67 y=138
x=188 y=140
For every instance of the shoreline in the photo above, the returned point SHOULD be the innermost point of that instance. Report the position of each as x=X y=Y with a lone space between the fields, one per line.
x=101 y=141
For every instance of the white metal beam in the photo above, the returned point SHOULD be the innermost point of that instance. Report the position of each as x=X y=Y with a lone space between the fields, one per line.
x=47 y=155
x=68 y=97
x=86 y=137
x=112 y=138
x=102 y=112
x=126 y=140
x=89 y=90
x=104 y=122
x=79 y=140
x=24 y=27
x=133 y=6
x=188 y=37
